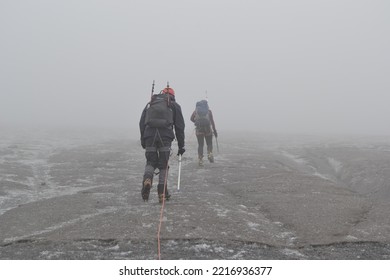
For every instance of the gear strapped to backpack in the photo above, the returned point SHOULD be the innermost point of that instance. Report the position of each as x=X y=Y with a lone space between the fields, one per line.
x=159 y=114
x=202 y=118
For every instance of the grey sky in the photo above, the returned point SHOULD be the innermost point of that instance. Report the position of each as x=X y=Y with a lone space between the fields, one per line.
x=301 y=66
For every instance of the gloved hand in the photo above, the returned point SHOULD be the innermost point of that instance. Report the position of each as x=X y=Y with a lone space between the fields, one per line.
x=143 y=144
x=181 y=151
x=215 y=134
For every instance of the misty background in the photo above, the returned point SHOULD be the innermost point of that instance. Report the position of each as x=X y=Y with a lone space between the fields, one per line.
x=303 y=66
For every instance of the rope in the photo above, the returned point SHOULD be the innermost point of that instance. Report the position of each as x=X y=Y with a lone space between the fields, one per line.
x=162 y=213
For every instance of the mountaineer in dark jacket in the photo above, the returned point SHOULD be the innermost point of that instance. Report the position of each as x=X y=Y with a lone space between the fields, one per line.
x=203 y=119
x=160 y=122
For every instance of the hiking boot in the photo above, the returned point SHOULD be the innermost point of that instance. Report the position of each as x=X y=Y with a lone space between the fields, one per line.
x=200 y=161
x=146 y=189
x=210 y=157
x=161 y=197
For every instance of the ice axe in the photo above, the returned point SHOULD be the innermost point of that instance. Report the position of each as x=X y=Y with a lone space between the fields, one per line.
x=178 y=177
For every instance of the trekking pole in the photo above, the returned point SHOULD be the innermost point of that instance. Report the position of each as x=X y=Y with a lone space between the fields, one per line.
x=178 y=177
x=151 y=94
x=216 y=141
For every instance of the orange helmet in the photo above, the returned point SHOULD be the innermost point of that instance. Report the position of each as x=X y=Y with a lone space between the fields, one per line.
x=169 y=90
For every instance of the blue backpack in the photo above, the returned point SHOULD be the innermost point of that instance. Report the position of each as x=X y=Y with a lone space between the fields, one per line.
x=202 y=117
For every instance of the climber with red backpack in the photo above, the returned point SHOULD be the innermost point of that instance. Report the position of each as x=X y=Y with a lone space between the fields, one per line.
x=161 y=121
x=203 y=119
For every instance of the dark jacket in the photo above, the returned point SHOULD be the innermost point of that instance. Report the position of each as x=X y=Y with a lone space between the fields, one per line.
x=208 y=131
x=178 y=125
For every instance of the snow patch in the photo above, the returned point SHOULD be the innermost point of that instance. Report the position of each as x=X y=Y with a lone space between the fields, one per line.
x=293 y=157
x=202 y=247
x=351 y=238
x=253 y=226
x=316 y=173
x=335 y=164
x=291 y=252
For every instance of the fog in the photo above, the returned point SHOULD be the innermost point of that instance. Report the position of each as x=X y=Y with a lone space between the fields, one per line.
x=303 y=66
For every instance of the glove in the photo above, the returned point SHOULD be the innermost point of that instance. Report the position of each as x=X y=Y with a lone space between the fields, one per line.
x=181 y=151
x=215 y=134
x=143 y=144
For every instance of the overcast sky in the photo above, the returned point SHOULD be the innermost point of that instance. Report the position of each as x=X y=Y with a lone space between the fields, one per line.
x=289 y=66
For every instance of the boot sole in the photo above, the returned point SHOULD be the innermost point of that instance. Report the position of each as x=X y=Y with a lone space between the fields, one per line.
x=146 y=189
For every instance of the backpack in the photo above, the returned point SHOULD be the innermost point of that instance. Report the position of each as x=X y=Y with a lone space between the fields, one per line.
x=202 y=118
x=159 y=114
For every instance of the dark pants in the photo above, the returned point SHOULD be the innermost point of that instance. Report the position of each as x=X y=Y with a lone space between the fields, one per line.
x=157 y=154
x=209 y=143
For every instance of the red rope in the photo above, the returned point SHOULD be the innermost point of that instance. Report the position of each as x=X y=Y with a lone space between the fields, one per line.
x=162 y=214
